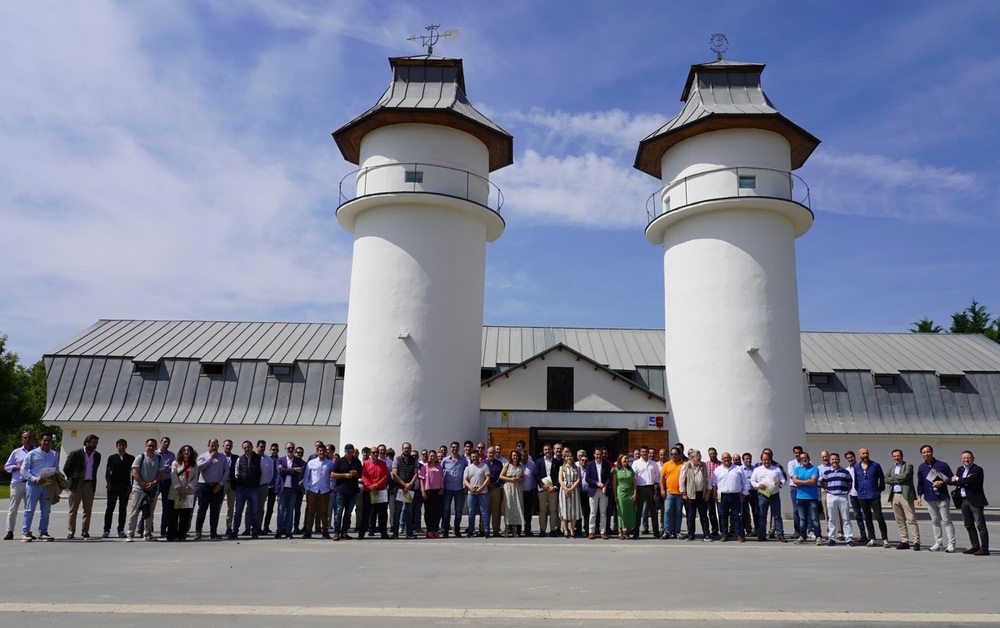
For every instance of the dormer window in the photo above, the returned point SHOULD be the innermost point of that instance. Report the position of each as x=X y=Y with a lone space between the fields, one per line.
x=950 y=381
x=213 y=369
x=820 y=379
x=280 y=370
x=886 y=381
x=144 y=368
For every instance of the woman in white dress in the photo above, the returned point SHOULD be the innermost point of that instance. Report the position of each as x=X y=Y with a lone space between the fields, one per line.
x=512 y=479
x=569 y=494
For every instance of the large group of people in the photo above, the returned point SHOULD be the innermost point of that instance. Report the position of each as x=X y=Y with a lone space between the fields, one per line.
x=570 y=494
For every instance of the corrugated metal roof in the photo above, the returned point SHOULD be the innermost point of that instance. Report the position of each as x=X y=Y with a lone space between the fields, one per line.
x=718 y=95
x=945 y=354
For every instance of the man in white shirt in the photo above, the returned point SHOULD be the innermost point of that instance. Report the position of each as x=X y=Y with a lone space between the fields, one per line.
x=768 y=479
x=18 y=485
x=731 y=487
x=647 y=474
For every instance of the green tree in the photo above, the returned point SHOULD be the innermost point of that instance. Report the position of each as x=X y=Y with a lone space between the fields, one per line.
x=974 y=319
x=22 y=399
x=926 y=326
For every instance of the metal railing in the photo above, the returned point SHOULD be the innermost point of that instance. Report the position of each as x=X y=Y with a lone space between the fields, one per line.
x=657 y=200
x=391 y=178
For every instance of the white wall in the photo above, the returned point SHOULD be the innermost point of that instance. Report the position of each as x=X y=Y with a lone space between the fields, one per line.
x=593 y=390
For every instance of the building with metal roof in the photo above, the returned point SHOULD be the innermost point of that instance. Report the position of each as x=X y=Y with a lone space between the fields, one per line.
x=193 y=380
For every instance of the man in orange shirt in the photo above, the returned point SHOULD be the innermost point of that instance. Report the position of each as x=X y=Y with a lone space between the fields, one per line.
x=670 y=475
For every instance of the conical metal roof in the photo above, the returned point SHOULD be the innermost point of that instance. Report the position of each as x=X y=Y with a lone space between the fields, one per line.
x=723 y=95
x=431 y=90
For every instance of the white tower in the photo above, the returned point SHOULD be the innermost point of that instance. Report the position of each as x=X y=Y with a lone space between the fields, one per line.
x=727 y=219
x=421 y=216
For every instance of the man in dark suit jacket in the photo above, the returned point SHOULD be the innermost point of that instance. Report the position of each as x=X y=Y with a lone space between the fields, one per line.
x=81 y=472
x=598 y=481
x=548 y=491
x=969 y=480
x=118 y=481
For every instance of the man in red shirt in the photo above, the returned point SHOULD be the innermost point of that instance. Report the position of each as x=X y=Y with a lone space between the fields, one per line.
x=374 y=494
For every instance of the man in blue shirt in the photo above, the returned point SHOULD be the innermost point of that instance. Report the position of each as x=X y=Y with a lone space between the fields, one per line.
x=805 y=479
x=453 y=468
x=35 y=464
x=18 y=490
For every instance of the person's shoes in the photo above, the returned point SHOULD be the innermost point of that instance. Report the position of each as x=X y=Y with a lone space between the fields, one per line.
x=799 y=541
x=385 y=536
x=761 y=539
x=254 y=535
x=937 y=547
x=496 y=534
x=70 y=536
x=604 y=537
x=529 y=533
x=106 y=535
x=723 y=539
x=150 y=537
x=707 y=539
x=411 y=536
x=266 y=531
x=870 y=543
x=971 y=550
x=444 y=534
x=26 y=538
x=129 y=538
x=121 y=534
x=831 y=542
x=555 y=533
x=45 y=536
x=982 y=552
x=245 y=533
x=197 y=536
x=232 y=536
x=288 y=536
x=903 y=545
x=850 y=543
x=885 y=544
x=326 y=535
x=740 y=539
x=296 y=531
x=689 y=537
x=278 y=535
x=9 y=536
x=308 y=535
x=950 y=549
x=590 y=537
x=215 y=537
x=819 y=541
x=840 y=537
x=664 y=536
x=770 y=535
x=85 y=535
x=916 y=547
x=645 y=530
x=781 y=538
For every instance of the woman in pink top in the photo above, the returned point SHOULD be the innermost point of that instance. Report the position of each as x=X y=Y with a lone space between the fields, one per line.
x=432 y=491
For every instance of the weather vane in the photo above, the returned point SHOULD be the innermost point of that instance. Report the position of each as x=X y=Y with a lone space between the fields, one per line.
x=718 y=44
x=432 y=36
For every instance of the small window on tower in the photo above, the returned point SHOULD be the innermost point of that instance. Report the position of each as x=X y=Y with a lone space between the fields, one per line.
x=414 y=176
x=748 y=182
x=280 y=370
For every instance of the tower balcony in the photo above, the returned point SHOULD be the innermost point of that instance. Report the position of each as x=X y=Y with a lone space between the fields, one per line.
x=420 y=178
x=720 y=184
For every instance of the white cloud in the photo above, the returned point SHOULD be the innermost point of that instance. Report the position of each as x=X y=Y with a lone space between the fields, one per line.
x=615 y=130
x=586 y=190
x=875 y=185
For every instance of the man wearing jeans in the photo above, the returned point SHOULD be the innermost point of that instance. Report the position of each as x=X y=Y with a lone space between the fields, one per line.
x=35 y=463
x=805 y=478
x=730 y=486
x=453 y=467
x=247 y=481
x=404 y=477
x=837 y=482
x=213 y=475
x=673 y=500
x=286 y=489
x=346 y=475
x=935 y=495
x=768 y=479
x=476 y=479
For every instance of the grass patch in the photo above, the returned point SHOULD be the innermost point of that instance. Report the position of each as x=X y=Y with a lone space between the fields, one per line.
x=4 y=491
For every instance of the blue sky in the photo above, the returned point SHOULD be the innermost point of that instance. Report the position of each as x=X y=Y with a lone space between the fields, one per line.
x=174 y=160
